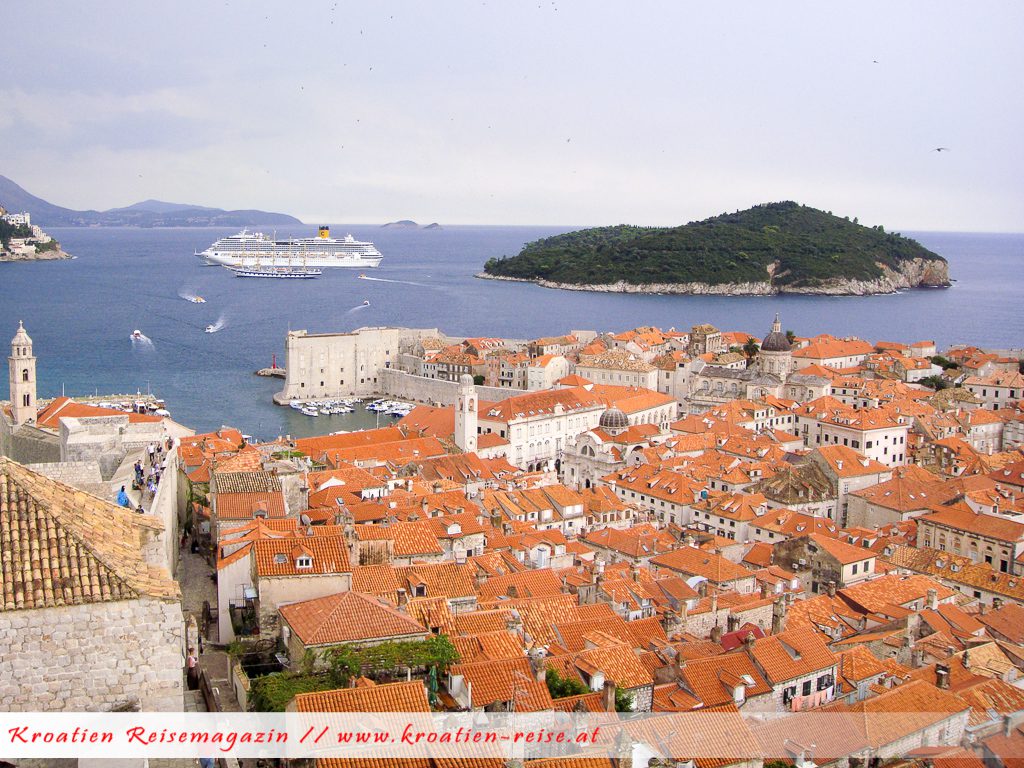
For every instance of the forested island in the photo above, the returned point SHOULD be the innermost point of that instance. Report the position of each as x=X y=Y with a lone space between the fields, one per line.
x=772 y=248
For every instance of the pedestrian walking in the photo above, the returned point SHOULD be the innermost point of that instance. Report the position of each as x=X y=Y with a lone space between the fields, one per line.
x=192 y=676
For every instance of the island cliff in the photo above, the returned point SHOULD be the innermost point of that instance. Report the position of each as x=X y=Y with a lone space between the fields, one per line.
x=769 y=249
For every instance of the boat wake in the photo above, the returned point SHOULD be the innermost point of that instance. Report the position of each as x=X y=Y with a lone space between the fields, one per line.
x=190 y=296
x=389 y=280
x=358 y=307
x=219 y=325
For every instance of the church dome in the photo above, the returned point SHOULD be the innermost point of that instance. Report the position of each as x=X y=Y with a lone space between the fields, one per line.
x=466 y=380
x=613 y=418
x=776 y=341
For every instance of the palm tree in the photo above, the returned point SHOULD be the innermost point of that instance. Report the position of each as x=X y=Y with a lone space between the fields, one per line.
x=751 y=348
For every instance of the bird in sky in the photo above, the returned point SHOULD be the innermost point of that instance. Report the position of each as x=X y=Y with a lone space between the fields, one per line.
x=942 y=149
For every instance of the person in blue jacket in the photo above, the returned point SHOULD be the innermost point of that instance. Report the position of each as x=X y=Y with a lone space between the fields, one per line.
x=122 y=498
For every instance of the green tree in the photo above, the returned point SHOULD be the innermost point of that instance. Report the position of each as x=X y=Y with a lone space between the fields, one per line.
x=478 y=379
x=623 y=700
x=751 y=348
x=790 y=336
x=559 y=687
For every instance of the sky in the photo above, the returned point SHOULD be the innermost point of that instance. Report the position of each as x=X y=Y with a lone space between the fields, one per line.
x=505 y=112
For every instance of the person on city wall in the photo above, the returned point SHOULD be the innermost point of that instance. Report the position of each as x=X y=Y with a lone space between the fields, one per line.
x=122 y=498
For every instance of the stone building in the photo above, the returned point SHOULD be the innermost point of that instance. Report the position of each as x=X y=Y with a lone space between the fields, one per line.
x=823 y=563
x=343 y=364
x=776 y=353
x=87 y=621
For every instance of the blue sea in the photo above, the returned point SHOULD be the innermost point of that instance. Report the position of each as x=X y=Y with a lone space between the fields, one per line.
x=80 y=313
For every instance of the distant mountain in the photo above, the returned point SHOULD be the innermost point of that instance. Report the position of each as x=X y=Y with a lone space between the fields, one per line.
x=149 y=213
x=435 y=225
x=159 y=206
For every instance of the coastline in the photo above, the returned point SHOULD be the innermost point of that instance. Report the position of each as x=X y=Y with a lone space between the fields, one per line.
x=917 y=273
x=59 y=255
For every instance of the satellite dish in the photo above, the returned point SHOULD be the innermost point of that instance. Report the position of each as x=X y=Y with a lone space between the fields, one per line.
x=304 y=520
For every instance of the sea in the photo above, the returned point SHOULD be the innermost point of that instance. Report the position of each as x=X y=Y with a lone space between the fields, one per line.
x=80 y=313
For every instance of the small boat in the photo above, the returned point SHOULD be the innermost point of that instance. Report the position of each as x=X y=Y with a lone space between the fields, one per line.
x=162 y=412
x=366 y=302
x=137 y=335
x=280 y=272
x=211 y=329
x=196 y=299
x=362 y=276
x=310 y=411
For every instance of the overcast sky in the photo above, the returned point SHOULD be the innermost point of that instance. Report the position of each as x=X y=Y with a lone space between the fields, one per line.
x=505 y=112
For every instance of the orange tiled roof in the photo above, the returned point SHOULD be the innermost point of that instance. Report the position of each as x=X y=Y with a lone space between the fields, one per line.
x=394 y=697
x=694 y=562
x=349 y=617
x=61 y=546
x=65 y=407
x=505 y=680
x=277 y=557
x=791 y=654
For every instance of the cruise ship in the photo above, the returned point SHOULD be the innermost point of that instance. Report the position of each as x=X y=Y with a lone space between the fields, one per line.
x=255 y=249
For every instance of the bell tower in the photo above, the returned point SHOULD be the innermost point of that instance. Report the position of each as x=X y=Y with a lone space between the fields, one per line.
x=466 y=415
x=22 y=367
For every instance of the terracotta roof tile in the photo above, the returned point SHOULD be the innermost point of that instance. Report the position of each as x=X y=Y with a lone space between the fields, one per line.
x=349 y=617
x=394 y=697
x=62 y=546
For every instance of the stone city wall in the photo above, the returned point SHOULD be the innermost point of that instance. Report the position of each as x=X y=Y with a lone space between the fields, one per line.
x=405 y=386
x=28 y=444
x=93 y=657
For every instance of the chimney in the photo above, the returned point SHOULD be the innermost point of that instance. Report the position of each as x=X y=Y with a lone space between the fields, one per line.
x=764 y=590
x=679 y=664
x=1007 y=725
x=997 y=603
x=831 y=589
x=608 y=696
x=933 y=600
x=942 y=676
x=748 y=641
x=716 y=633
x=403 y=597
x=778 y=615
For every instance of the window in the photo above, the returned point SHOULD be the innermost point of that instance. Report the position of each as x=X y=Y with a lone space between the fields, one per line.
x=304 y=562
x=854 y=573
x=825 y=681
x=788 y=694
x=806 y=690
x=24 y=375
x=26 y=399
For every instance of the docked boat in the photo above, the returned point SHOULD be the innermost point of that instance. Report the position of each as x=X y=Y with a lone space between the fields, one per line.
x=280 y=272
x=248 y=249
x=310 y=411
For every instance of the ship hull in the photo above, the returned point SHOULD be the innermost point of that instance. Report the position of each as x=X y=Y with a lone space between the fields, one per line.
x=252 y=260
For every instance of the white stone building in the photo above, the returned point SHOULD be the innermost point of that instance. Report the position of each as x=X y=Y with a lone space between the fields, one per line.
x=538 y=425
x=343 y=364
